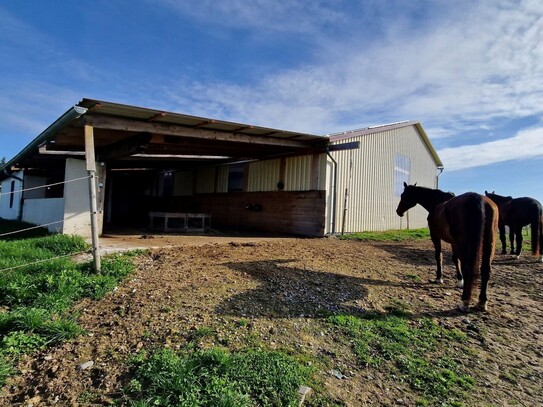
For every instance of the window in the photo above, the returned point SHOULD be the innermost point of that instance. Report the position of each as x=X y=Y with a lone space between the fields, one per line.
x=235 y=178
x=402 y=170
x=12 y=194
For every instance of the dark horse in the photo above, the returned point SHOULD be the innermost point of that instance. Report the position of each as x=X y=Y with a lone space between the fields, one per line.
x=517 y=213
x=469 y=222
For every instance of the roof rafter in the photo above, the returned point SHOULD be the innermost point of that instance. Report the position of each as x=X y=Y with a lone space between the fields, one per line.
x=123 y=124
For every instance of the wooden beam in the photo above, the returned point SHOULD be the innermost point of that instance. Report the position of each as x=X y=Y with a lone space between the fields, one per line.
x=89 y=148
x=157 y=116
x=202 y=124
x=122 y=124
x=91 y=168
x=126 y=147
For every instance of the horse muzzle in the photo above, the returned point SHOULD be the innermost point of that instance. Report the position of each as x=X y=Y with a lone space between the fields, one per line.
x=400 y=212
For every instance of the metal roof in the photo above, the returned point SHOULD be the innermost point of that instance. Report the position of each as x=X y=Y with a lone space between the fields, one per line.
x=139 y=134
x=164 y=117
x=131 y=135
x=334 y=138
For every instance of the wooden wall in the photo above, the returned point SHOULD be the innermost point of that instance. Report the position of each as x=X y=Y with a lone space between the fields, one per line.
x=299 y=213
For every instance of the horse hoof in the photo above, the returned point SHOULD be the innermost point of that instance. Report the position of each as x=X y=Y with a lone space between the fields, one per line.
x=460 y=284
x=438 y=281
x=516 y=257
x=463 y=307
x=481 y=306
x=540 y=259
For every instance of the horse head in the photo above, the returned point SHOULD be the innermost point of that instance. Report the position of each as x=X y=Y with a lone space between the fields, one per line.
x=408 y=199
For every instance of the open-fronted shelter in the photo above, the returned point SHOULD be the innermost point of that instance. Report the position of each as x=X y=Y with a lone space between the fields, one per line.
x=175 y=172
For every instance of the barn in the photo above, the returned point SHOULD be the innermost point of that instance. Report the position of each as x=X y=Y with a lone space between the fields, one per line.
x=135 y=168
x=370 y=178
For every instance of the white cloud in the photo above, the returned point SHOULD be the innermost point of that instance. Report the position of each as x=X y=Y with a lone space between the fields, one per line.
x=458 y=69
x=524 y=145
x=468 y=67
x=261 y=15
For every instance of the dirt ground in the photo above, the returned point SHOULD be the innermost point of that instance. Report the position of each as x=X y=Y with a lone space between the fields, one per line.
x=272 y=290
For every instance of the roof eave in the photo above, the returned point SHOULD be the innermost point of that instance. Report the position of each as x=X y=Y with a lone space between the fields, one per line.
x=66 y=119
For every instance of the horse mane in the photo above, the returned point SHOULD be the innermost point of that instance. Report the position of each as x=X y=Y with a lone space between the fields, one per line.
x=437 y=192
x=501 y=198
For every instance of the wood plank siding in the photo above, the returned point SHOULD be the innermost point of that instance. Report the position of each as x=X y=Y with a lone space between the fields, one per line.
x=297 y=212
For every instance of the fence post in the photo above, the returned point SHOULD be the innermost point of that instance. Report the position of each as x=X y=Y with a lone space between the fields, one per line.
x=91 y=168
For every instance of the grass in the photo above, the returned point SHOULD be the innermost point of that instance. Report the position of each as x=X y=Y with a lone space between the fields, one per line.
x=404 y=347
x=423 y=233
x=9 y=226
x=37 y=290
x=391 y=235
x=217 y=377
x=415 y=352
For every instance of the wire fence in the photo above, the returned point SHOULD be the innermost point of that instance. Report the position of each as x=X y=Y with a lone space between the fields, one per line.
x=43 y=186
x=39 y=226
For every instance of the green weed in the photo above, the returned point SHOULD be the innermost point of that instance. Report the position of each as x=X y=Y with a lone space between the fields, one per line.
x=216 y=377
x=37 y=297
x=6 y=370
x=7 y=226
x=391 y=235
x=405 y=346
x=20 y=342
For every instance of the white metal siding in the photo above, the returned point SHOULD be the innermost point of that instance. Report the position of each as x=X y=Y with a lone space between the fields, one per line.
x=205 y=180
x=263 y=175
x=298 y=173
x=371 y=202
x=222 y=179
x=183 y=183
x=322 y=168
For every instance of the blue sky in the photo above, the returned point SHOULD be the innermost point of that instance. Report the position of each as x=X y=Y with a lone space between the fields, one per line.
x=471 y=72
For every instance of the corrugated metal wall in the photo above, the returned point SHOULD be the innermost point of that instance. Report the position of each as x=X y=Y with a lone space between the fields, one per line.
x=301 y=173
x=263 y=175
x=298 y=173
x=205 y=180
x=222 y=178
x=368 y=176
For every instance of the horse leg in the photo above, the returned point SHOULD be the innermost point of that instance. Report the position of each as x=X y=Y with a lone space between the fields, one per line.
x=457 y=265
x=512 y=240
x=502 y=237
x=486 y=261
x=518 y=234
x=439 y=259
x=485 y=276
x=540 y=239
x=466 y=292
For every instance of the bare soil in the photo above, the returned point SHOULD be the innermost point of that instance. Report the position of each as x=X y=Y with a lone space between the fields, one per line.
x=273 y=291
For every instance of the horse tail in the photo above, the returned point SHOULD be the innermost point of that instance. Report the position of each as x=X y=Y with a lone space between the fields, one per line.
x=537 y=232
x=474 y=224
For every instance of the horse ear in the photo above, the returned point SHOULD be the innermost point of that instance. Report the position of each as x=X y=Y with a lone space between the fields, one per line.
x=415 y=184
x=404 y=184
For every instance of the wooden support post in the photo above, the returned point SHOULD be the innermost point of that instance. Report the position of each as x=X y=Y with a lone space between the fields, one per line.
x=91 y=168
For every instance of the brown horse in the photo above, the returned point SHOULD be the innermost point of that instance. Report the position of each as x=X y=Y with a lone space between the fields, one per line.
x=469 y=222
x=517 y=213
